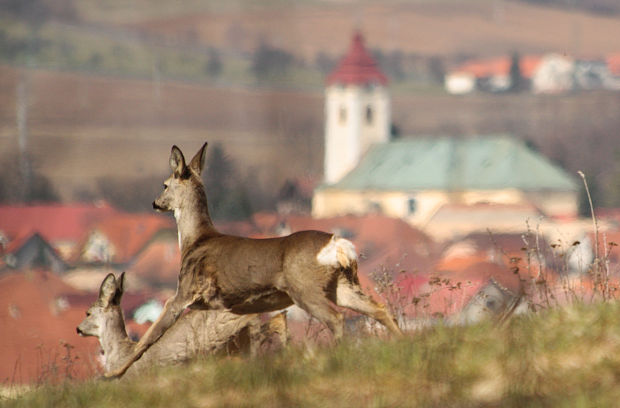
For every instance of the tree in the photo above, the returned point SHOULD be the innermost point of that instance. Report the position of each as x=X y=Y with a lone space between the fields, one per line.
x=436 y=69
x=214 y=63
x=269 y=62
x=131 y=194
x=324 y=63
x=517 y=82
x=612 y=184
x=226 y=193
x=22 y=183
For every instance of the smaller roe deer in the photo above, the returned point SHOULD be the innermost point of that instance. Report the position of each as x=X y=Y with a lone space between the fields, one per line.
x=198 y=332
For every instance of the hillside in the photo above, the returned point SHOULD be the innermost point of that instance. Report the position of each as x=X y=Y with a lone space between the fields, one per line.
x=554 y=358
x=444 y=28
x=86 y=127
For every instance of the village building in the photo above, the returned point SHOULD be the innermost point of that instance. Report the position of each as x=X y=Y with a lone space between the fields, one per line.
x=413 y=178
x=30 y=251
x=490 y=75
x=545 y=74
x=357 y=110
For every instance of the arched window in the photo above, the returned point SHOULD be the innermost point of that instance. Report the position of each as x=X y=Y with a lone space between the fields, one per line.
x=369 y=115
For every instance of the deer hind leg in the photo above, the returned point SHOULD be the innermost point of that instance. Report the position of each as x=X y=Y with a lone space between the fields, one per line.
x=319 y=306
x=350 y=295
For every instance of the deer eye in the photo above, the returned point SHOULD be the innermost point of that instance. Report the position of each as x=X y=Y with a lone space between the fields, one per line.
x=165 y=186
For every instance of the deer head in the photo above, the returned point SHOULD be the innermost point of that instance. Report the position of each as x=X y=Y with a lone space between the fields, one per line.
x=106 y=313
x=185 y=184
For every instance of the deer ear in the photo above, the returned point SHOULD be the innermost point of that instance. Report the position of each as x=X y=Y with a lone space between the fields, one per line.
x=120 y=282
x=177 y=161
x=120 y=289
x=198 y=162
x=107 y=289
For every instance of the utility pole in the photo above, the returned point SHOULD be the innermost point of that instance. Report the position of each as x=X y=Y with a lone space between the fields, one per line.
x=23 y=89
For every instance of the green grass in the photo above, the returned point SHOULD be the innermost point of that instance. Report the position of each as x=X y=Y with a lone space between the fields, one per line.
x=557 y=358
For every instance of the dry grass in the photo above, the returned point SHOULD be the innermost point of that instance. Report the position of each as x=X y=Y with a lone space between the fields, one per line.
x=562 y=357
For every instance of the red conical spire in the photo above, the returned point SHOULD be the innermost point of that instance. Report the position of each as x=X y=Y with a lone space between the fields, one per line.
x=358 y=67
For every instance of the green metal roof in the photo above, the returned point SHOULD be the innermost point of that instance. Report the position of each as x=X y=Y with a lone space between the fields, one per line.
x=444 y=163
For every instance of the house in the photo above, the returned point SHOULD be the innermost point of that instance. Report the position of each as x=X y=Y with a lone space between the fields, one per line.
x=413 y=178
x=491 y=75
x=551 y=73
x=497 y=287
x=144 y=245
x=158 y=264
x=30 y=251
x=613 y=66
x=386 y=246
x=554 y=74
x=61 y=225
x=459 y=220
x=117 y=240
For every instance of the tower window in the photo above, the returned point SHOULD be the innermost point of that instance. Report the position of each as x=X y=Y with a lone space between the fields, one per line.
x=411 y=206
x=369 y=115
x=342 y=115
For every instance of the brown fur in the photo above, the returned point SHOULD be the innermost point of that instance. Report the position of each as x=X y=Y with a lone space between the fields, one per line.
x=247 y=275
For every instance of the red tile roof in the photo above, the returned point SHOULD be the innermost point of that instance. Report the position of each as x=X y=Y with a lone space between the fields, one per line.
x=613 y=64
x=55 y=222
x=158 y=264
x=499 y=66
x=483 y=272
x=129 y=233
x=385 y=244
x=36 y=321
x=358 y=67
x=426 y=296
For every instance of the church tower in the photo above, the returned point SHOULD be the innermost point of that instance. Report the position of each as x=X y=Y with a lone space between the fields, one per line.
x=357 y=110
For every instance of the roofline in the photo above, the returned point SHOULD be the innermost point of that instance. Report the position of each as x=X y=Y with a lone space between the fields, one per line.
x=326 y=187
x=413 y=139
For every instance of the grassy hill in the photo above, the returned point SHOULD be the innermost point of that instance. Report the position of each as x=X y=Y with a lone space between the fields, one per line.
x=562 y=357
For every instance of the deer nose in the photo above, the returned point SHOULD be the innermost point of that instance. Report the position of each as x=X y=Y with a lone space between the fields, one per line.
x=77 y=329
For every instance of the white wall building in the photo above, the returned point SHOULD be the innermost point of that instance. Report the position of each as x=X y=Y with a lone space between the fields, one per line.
x=357 y=111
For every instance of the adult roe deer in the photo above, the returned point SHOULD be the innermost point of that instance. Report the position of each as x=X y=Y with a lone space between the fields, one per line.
x=311 y=269
x=199 y=332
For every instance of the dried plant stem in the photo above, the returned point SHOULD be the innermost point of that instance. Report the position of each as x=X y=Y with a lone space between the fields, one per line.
x=594 y=221
x=597 y=261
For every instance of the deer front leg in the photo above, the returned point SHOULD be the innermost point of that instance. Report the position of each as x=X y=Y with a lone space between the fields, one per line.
x=170 y=314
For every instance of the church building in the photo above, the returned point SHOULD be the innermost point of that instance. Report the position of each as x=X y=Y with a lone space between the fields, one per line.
x=413 y=177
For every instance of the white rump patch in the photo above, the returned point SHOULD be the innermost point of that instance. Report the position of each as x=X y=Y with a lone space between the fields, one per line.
x=338 y=253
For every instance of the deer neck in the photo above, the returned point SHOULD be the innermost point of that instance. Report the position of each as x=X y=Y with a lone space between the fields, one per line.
x=193 y=221
x=115 y=343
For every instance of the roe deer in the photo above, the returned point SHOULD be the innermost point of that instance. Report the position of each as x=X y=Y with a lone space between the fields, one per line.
x=198 y=332
x=311 y=269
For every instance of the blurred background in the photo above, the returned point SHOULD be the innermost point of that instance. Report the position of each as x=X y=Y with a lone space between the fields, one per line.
x=93 y=93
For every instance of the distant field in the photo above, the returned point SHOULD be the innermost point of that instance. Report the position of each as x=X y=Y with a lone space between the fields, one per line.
x=83 y=127
x=556 y=358
x=445 y=28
